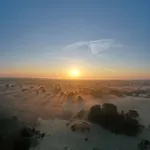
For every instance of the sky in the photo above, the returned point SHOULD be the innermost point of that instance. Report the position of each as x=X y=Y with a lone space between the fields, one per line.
x=102 y=39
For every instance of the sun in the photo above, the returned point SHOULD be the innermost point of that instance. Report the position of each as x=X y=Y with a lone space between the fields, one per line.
x=75 y=73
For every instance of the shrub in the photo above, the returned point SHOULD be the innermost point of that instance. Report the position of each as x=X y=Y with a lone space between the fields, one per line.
x=86 y=90
x=144 y=145
x=79 y=99
x=133 y=113
x=96 y=93
x=80 y=114
x=116 y=93
x=43 y=90
x=23 y=90
x=62 y=94
x=37 y=92
x=71 y=94
x=57 y=88
x=31 y=86
x=7 y=85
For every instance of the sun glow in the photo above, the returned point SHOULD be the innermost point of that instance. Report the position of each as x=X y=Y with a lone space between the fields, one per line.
x=75 y=73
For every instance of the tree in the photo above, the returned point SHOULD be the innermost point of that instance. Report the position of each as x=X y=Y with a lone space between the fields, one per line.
x=133 y=113
x=79 y=99
x=109 y=108
x=109 y=118
x=95 y=113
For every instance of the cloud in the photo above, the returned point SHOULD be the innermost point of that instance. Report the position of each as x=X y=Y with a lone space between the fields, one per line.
x=95 y=47
x=75 y=45
x=110 y=70
x=100 y=45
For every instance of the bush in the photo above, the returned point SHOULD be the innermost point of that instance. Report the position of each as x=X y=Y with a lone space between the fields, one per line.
x=37 y=92
x=7 y=85
x=79 y=99
x=109 y=118
x=43 y=90
x=116 y=93
x=80 y=114
x=144 y=145
x=32 y=87
x=71 y=94
x=133 y=113
x=96 y=93
x=62 y=94
x=23 y=90
x=85 y=90
x=57 y=88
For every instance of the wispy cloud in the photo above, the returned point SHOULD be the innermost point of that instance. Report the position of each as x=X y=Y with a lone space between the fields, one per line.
x=76 y=45
x=95 y=47
x=110 y=70
x=101 y=45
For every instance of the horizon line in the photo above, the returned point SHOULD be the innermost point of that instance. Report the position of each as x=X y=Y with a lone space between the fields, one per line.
x=48 y=78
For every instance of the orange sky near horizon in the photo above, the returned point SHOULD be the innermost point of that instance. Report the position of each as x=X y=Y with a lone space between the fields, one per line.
x=84 y=73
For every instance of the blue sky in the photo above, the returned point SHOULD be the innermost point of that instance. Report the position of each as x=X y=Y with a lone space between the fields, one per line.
x=96 y=36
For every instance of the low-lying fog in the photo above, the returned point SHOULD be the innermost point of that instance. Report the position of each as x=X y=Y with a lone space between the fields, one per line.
x=30 y=99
